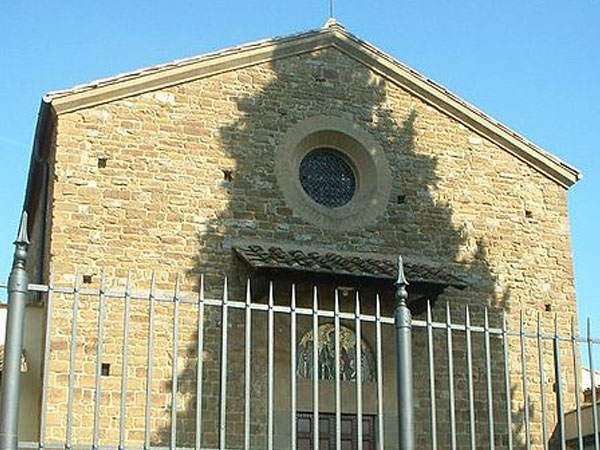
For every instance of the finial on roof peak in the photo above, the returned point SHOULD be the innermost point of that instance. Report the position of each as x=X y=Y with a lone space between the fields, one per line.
x=332 y=23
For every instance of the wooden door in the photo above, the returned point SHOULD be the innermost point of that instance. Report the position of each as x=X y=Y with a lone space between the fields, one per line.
x=327 y=432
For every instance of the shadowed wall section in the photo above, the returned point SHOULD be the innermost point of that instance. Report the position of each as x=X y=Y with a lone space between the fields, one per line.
x=190 y=171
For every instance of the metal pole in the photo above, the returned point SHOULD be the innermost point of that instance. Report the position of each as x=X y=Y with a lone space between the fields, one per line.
x=403 y=321
x=560 y=406
x=11 y=383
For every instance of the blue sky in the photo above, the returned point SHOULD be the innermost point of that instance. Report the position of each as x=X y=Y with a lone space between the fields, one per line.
x=534 y=65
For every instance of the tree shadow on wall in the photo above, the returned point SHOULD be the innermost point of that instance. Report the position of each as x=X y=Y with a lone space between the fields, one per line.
x=243 y=202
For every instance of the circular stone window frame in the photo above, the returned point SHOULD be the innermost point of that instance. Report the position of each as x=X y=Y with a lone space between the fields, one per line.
x=366 y=156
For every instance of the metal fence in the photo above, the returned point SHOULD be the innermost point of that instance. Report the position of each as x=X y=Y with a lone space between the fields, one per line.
x=450 y=372
x=294 y=369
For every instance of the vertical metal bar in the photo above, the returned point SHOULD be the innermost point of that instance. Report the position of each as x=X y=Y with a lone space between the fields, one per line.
x=404 y=371
x=270 y=375
x=18 y=291
x=199 y=364
x=488 y=377
x=124 y=363
x=174 y=366
x=315 y=372
x=359 y=405
x=430 y=354
x=148 y=405
x=450 y=377
x=593 y=383
x=99 y=356
x=470 y=378
x=223 y=383
x=559 y=390
x=338 y=386
x=46 y=367
x=576 y=386
x=540 y=346
x=293 y=370
x=247 y=365
x=380 y=436
x=524 y=383
x=507 y=381
x=72 y=355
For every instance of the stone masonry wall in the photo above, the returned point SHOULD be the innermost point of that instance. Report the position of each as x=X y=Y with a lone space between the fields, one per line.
x=161 y=203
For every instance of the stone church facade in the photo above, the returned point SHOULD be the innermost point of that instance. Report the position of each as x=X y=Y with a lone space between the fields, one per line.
x=309 y=160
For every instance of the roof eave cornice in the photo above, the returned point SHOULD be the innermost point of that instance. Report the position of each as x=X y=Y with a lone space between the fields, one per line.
x=183 y=71
x=333 y=35
x=444 y=100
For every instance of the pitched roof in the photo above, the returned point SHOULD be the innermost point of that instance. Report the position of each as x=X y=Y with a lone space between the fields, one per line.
x=332 y=35
x=277 y=258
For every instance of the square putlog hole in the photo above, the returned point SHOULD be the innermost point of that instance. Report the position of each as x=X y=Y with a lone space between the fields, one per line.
x=228 y=175
x=105 y=371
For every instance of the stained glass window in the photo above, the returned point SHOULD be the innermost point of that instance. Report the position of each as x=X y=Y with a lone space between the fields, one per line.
x=327 y=177
x=326 y=353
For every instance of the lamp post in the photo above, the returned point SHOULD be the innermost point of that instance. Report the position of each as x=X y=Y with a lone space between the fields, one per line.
x=404 y=372
x=11 y=378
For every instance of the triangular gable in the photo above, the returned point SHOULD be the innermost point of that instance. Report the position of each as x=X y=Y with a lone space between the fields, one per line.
x=333 y=35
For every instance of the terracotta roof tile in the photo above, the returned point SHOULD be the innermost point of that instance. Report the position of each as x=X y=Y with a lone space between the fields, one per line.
x=277 y=258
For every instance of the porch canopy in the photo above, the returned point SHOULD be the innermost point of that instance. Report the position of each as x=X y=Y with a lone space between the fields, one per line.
x=425 y=282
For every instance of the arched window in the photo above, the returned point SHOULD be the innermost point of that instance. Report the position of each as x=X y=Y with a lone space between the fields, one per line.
x=326 y=351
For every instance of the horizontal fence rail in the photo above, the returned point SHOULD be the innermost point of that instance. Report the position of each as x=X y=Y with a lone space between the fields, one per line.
x=296 y=368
